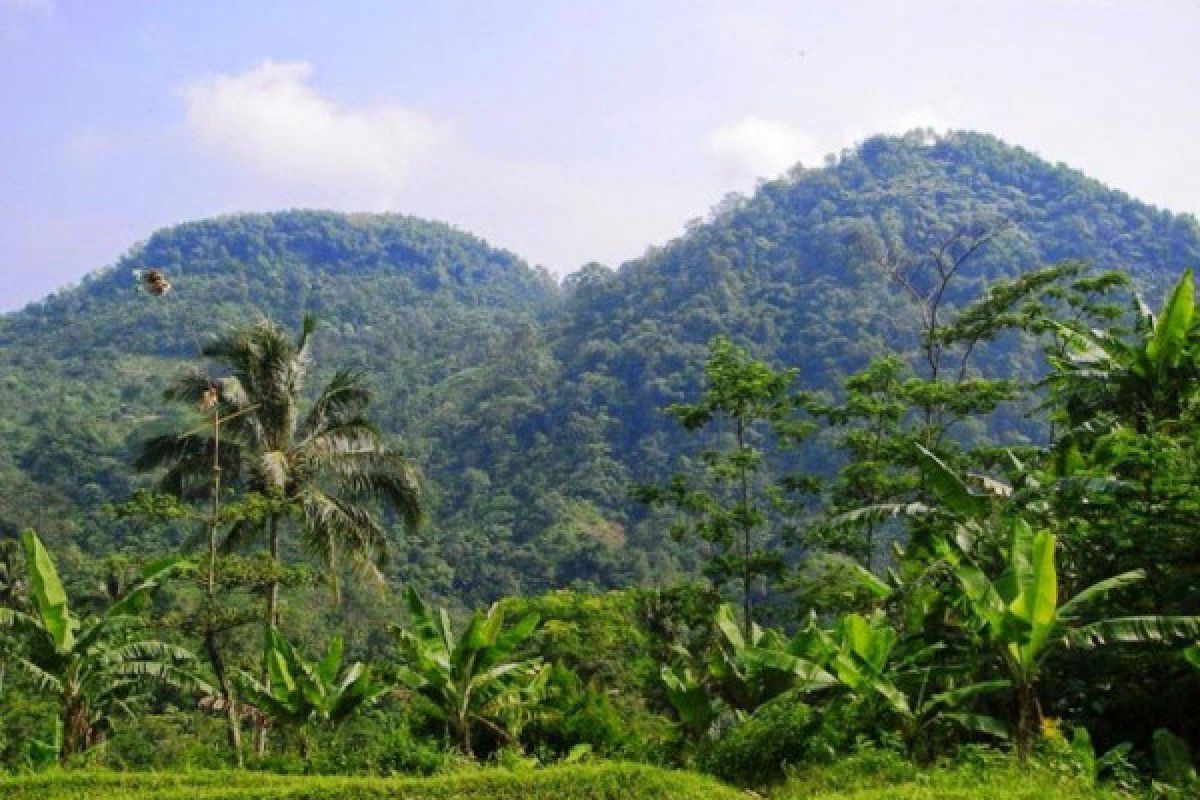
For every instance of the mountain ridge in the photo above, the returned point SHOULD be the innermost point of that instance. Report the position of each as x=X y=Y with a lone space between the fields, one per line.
x=532 y=404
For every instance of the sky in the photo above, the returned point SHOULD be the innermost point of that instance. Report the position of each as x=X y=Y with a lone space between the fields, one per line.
x=568 y=131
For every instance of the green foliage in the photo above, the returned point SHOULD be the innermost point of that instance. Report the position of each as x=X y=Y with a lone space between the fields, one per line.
x=690 y=698
x=533 y=410
x=94 y=669
x=858 y=652
x=980 y=775
x=530 y=409
x=1145 y=379
x=302 y=694
x=473 y=677
x=760 y=747
x=1173 y=764
x=1019 y=613
x=733 y=505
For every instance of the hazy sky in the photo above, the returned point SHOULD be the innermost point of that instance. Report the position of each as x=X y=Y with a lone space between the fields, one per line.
x=566 y=131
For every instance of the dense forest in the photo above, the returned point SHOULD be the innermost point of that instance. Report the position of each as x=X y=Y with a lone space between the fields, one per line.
x=892 y=461
x=530 y=407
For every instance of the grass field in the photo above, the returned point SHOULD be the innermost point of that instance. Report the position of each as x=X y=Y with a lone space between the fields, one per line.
x=590 y=782
x=599 y=782
x=960 y=783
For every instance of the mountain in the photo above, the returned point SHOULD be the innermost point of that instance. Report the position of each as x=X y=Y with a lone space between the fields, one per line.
x=532 y=406
x=414 y=303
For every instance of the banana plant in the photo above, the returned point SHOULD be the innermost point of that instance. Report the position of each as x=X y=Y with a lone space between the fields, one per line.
x=747 y=671
x=94 y=668
x=475 y=677
x=857 y=652
x=1018 y=613
x=1150 y=376
x=687 y=694
x=739 y=673
x=303 y=695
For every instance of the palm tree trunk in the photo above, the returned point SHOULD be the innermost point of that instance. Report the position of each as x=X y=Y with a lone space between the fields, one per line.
x=747 y=575
x=271 y=620
x=210 y=634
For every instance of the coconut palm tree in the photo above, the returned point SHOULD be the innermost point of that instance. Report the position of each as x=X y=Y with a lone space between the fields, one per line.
x=327 y=465
x=94 y=668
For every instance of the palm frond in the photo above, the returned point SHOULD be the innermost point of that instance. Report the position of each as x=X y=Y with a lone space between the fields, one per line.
x=346 y=394
x=1135 y=630
x=44 y=680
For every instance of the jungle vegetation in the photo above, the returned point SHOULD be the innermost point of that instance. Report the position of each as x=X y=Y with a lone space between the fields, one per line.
x=892 y=464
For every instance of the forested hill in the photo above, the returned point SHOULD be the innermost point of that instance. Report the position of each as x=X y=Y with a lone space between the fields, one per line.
x=530 y=407
x=411 y=302
x=795 y=271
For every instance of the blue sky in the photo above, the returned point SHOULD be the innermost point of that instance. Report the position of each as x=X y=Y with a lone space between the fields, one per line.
x=565 y=131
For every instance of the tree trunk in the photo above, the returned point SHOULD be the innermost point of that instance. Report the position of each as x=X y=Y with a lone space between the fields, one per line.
x=1029 y=720
x=747 y=575
x=271 y=620
x=231 y=711
x=77 y=729
x=463 y=729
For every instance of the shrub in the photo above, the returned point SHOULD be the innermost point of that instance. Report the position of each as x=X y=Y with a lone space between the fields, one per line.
x=166 y=741
x=614 y=726
x=757 y=749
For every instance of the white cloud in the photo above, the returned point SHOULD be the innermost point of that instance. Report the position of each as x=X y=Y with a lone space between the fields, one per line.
x=273 y=121
x=763 y=148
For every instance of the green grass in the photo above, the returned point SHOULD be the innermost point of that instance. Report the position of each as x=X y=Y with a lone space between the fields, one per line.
x=592 y=782
x=852 y=779
x=876 y=778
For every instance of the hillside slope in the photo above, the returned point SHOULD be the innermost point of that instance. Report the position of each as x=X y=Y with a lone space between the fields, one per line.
x=530 y=407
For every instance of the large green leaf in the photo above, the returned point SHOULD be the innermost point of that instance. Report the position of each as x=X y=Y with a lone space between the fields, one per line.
x=328 y=668
x=978 y=723
x=1036 y=603
x=952 y=698
x=508 y=640
x=152 y=576
x=48 y=594
x=1099 y=589
x=689 y=698
x=725 y=622
x=950 y=488
x=1173 y=323
x=1136 y=630
x=982 y=595
x=1172 y=759
x=1192 y=655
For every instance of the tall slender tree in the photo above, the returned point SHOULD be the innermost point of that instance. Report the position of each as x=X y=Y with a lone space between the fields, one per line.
x=329 y=462
x=327 y=466
x=734 y=505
